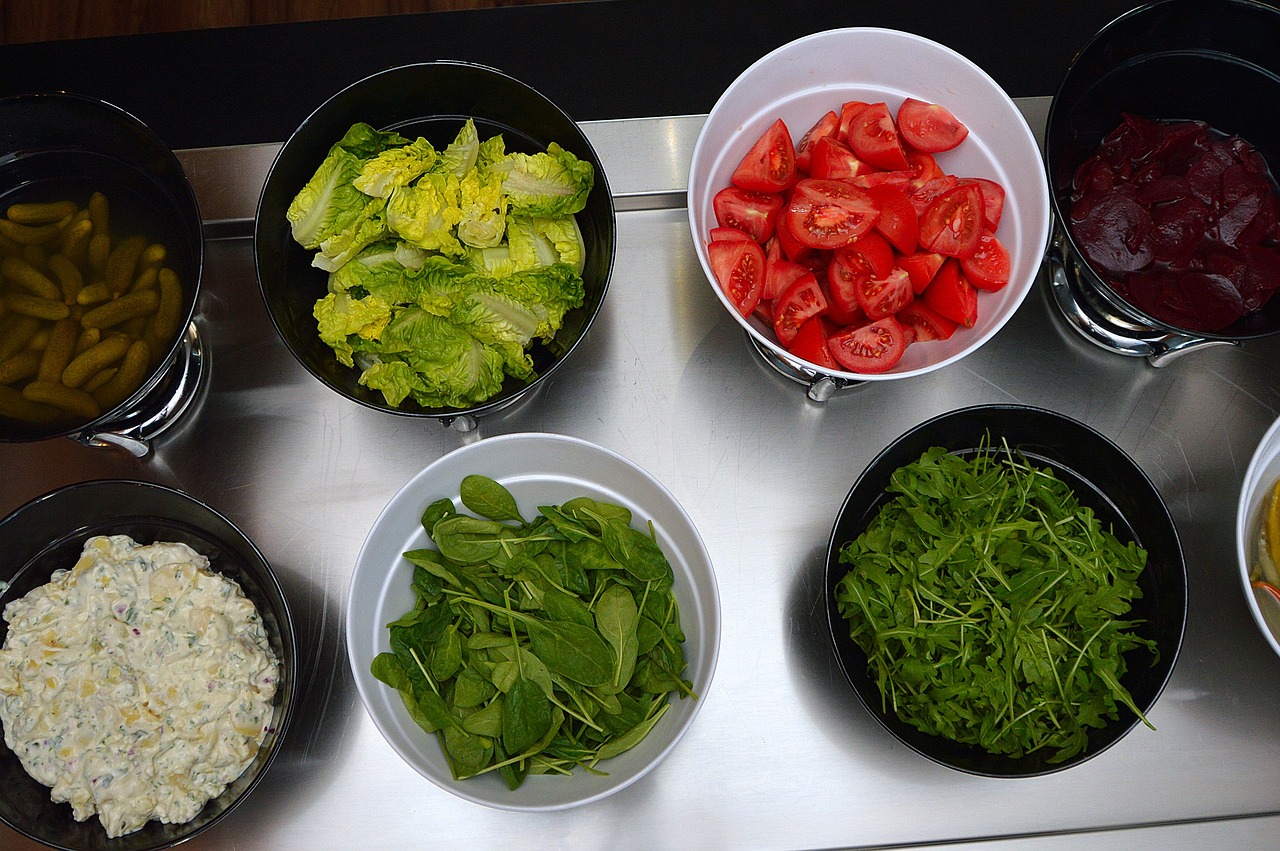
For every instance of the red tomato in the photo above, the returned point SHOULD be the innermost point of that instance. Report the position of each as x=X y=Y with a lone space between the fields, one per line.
x=929 y=127
x=988 y=267
x=845 y=275
x=729 y=233
x=802 y=300
x=925 y=195
x=770 y=165
x=953 y=222
x=848 y=111
x=756 y=213
x=992 y=200
x=827 y=126
x=829 y=213
x=810 y=343
x=881 y=297
x=923 y=169
x=921 y=266
x=898 y=220
x=832 y=159
x=953 y=296
x=778 y=275
x=874 y=138
x=875 y=249
x=738 y=265
x=927 y=323
x=874 y=347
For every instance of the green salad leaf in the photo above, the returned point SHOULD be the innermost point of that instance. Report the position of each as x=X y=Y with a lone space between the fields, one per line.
x=535 y=646
x=445 y=266
x=992 y=606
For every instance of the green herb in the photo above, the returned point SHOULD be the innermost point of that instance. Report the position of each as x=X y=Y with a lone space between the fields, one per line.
x=991 y=605
x=535 y=646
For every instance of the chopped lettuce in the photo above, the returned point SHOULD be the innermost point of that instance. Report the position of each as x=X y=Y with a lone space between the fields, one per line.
x=445 y=267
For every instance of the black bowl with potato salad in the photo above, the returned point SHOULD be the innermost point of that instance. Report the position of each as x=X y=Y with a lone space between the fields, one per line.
x=1042 y=613
x=48 y=535
x=101 y=250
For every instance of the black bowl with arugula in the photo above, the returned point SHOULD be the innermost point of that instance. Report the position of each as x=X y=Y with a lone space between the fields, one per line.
x=435 y=240
x=1006 y=591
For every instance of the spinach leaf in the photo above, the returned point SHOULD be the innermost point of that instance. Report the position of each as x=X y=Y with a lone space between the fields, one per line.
x=489 y=498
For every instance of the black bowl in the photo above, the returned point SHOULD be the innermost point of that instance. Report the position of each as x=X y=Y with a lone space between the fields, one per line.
x=1207 y=60
x=432 y=100
x=1105 y=479
x=57 y=145
x=48 y=533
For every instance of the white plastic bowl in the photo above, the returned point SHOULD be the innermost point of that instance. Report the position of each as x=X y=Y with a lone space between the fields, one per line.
x=538 y=469
x=804 y=79
x=1259 y=479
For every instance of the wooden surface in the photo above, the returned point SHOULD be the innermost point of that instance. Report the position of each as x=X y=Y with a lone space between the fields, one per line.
x=27 y=21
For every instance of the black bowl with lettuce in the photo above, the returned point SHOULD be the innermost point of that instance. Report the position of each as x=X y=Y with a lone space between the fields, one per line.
x=435 y=240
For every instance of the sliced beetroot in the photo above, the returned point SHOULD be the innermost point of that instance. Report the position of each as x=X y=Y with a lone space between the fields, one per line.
x=1261 y=276
x=1168 y=187
x=1234 y=219
x=1116 y=233
x=1178 y=229
x=1215 y=302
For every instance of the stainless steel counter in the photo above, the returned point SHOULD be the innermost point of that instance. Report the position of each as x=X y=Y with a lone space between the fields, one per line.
x=782 y=754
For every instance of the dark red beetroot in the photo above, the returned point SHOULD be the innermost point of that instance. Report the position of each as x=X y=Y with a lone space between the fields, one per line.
x=1182 y=222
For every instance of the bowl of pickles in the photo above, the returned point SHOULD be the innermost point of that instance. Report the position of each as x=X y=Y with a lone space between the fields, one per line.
x=101 y=250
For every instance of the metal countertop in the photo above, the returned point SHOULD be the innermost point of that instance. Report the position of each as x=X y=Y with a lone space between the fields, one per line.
x=782 y=755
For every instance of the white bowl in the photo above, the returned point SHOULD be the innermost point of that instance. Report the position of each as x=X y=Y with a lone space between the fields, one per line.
x=810 y=76
x=1259 y=479
x=538 y=469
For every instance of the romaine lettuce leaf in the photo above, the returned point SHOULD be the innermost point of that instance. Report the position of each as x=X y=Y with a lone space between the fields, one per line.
x=551 y=184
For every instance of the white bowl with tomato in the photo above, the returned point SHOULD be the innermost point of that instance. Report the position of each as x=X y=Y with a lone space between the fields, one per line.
x=868 y=204
x=1258 y=536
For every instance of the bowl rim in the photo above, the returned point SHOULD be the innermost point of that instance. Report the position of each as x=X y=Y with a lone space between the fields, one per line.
x=1040 y=204
x=837 y=631
x=500 y=401
x=708 y=609
x=289 y=686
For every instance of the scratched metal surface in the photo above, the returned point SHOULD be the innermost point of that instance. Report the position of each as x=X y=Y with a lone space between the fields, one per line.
x=782 y=755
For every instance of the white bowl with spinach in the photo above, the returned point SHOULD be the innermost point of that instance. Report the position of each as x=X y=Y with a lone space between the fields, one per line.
x=533 y=622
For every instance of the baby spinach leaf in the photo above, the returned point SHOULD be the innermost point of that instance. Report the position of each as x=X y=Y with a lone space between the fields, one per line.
x=526 y=715
x=617 y=618
x=489 y=498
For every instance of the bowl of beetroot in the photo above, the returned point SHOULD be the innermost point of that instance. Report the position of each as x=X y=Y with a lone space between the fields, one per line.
x=1160 y=149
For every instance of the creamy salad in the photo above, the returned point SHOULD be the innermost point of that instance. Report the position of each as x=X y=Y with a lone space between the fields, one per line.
x=137 y=685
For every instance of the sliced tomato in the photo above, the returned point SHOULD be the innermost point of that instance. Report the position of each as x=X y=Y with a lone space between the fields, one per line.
x=832 y=159
x=848 y=111
x=988 y=267
x=829 y=213
x=992 y=200
x=827 y=125
x=810 y=343
x=780 y=274
x=874 y=138
x=871 y=348
x=921 y=266
x=929 y=127
x=770 y=165
x=726 y=232
x=923 y=168
x=898 y=220
x=952 y=224
x=845 y=275
x=755 y=213
x=900 y=179
x=927 y=323
x=802 y=300
x=880 y=297
x=925 y=195
x=875 y=249
x=738 y=265
x=950 y=294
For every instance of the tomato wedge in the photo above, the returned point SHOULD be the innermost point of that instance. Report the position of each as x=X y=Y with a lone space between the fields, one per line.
x=874 y=138
x=755 y=213
x=829 y=213
x=728 y=233
x=780 y=274
x=952 y=295
x=929 y=127
x=802 y=300
x=927 y=323
x=871 y=348
x=924 y=168
x=952 y=224
x=988 y=267
x=832 y=159
x=738 y=265
x=810 y=343
x=898 y=220
x=848 y=111
x=770 y=165
x=921 y=266
x=992 y=200
x=827 y=125
x=881 y=297
x=929 y=191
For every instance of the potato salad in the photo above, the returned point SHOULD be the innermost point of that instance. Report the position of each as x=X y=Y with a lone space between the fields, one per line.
x=137 y=684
